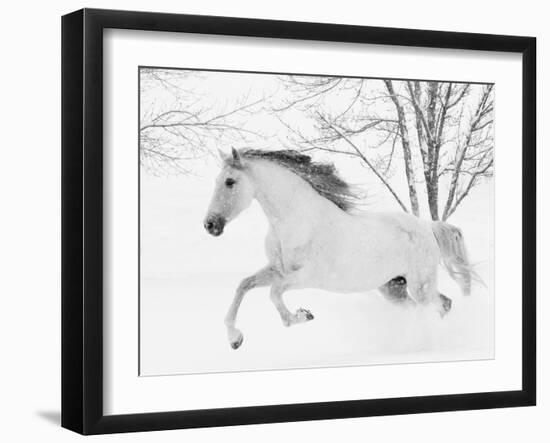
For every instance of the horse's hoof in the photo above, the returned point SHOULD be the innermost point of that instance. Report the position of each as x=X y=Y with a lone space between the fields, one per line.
x=446 y=305
x=304 y=314
x=237 y=342
x=300 y=316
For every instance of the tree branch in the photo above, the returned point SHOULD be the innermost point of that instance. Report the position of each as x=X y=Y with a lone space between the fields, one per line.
x=367 y=162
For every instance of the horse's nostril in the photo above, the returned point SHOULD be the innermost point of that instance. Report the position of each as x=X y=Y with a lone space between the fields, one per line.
x=214 y=225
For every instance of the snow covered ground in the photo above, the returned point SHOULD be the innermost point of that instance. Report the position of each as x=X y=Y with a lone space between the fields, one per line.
x=188 y=279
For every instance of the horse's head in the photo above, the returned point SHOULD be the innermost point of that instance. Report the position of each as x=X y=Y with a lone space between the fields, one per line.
x=233 y=193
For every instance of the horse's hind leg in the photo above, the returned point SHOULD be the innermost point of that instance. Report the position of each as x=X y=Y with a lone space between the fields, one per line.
x=425 y=292
x=395 y=290
x=446 y=304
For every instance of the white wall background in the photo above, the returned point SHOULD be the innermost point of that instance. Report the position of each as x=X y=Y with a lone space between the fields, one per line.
x=30 y=221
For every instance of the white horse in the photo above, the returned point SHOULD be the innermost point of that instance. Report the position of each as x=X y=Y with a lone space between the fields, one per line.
x=316 y=240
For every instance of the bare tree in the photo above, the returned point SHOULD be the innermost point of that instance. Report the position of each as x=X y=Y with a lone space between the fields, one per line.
x=473 y=157
x=405 y=143
x=452 y=121
x=339 y=128
x=178 y=124
x=468 y=140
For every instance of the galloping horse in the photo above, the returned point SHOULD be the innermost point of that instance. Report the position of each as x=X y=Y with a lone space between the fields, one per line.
x=317 y=240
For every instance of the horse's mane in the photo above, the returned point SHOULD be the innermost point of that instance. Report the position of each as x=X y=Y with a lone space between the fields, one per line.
x=321 y=176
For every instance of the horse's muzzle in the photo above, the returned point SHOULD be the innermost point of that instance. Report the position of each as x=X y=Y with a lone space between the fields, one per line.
x=214 y=224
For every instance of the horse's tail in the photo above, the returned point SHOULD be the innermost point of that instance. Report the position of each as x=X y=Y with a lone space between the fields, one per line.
x=454 y=255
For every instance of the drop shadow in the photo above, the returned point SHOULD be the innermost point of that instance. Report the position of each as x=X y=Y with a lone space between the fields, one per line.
x=53 y=417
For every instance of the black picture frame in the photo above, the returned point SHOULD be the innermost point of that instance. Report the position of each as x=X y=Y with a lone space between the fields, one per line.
x=82 y=220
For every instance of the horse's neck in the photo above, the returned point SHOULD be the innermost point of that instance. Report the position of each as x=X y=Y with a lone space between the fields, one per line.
x=285 y=197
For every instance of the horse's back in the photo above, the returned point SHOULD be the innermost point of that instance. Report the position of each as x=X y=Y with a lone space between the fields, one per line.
x=413 y=237
x=390 y=242
x=407 y=228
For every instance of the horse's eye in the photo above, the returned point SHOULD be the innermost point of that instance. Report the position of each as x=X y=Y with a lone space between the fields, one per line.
x=229 y=182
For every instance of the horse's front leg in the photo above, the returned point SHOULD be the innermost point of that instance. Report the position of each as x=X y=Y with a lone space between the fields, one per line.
x=264 y=277
x=300 y=316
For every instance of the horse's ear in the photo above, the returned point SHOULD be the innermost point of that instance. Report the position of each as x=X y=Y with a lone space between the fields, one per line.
x=237 y=160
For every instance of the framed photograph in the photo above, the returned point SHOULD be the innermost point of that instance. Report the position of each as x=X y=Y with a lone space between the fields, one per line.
x=269 y=221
